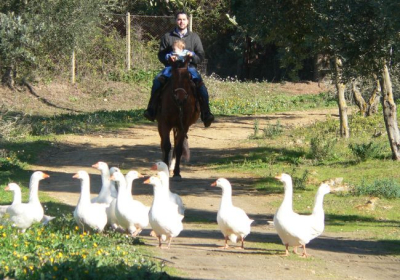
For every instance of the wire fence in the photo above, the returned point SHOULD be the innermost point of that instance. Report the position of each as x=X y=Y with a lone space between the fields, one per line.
x=135 y=40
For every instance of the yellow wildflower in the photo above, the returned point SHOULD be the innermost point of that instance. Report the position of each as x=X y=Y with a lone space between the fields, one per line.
x=31 y=267
x=4 y=234
x=67 y=236
x=25 y=258
x=76 y=228
x=60 y=254
x=95 y=245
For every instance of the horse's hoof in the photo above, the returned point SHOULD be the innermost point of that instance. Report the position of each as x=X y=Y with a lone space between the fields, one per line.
x=177 y=178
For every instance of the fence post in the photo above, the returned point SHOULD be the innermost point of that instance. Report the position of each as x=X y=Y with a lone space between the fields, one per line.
x=190 y=23
x=128 y=41
x=73 y=67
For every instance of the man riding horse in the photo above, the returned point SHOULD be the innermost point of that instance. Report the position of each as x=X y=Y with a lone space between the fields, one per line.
x=194 y=45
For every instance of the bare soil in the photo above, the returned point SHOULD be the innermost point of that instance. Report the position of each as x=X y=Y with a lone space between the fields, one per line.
x=196 y=252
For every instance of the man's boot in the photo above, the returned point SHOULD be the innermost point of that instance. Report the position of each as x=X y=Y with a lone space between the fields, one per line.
x=206 y=116
x=150 y=112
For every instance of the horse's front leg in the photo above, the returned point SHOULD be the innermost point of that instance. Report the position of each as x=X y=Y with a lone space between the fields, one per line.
x=165 y=143
x=179 y=138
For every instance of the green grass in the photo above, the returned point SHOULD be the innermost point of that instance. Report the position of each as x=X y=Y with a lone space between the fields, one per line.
x=61 y=251
x=232 y=97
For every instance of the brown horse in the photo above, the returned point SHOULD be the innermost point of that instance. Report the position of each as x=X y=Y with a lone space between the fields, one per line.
x=178 y=111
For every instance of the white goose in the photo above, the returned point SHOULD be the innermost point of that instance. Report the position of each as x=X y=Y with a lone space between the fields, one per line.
x=232 y=221
x=173 y=197
x=23 y=215
x=294 y=229
x=88 y=214
x=132 y=215
x=17 y=193
x=111 y=216
x=108 y=192
x=164 y=217
x=16 y=197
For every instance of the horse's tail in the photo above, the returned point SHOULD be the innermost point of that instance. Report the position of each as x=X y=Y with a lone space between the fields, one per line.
x=186 y=150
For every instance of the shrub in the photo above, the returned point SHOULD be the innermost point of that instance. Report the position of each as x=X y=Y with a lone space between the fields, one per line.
x=321 y=148
x=364 y=151
x=299 y=183
x=387 y=188
x=273 y=130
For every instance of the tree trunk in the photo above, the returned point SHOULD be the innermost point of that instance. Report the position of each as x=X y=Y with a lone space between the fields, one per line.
x=340 y=87
x=360 y=102
x=374 y=100
x=390 y=113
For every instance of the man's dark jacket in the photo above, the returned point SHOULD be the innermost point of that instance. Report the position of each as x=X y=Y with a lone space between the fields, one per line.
x=193 y=44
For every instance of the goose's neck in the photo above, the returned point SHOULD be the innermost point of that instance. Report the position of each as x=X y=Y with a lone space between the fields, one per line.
x=33 y=191
x=226 y=199
x=288 y=196
x=160 y=195
x=85 y=191
x=106 y=182
x=17 y=197
x=122 y=190
x=129 y=187
x=165 y=183
x=319 y=204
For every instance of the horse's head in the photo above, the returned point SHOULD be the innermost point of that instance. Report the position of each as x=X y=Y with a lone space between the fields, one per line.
x=181 y=80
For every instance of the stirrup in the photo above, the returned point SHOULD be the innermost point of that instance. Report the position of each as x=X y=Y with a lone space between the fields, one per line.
x=207 y=119
x=148 y=115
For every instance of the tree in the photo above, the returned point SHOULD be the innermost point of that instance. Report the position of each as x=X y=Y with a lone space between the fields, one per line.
x=16 y=45
x=366 y=33
x=45 y=29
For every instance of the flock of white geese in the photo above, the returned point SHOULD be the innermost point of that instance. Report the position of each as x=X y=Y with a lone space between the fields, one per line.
x=116 y=207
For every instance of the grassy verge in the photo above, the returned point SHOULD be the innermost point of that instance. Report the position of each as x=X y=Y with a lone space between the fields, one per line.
x=313 y=154
x=61 y=251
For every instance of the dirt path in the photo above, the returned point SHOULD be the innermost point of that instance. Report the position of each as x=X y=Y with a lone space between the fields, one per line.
x=195 y=252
